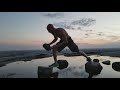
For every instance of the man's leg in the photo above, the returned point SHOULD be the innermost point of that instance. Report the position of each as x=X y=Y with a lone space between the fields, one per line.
x=74 y=48
x=59 y=49
x=85 y=55
x=55 y=64
x=55 y=55
x=54 y=50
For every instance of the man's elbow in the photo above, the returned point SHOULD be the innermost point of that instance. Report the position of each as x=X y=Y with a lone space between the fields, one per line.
x=56 y=39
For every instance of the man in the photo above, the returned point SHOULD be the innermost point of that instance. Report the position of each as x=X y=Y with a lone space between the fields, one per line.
x=65 y=40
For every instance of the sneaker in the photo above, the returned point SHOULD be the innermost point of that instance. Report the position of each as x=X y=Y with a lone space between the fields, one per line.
x=54 y=65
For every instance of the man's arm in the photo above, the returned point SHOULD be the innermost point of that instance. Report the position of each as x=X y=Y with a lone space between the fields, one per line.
x=55 y=39
x=65 y=40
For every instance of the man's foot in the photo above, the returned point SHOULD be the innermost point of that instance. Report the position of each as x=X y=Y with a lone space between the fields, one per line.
x=89 y=59
x=54 y=65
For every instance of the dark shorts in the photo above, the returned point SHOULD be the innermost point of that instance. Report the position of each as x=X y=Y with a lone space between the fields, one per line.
x=71 y=45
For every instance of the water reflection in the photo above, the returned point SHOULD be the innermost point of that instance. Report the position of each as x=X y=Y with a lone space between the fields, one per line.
x=8 y=75
x=73 y=72
x=46 y=72
x=74 y=67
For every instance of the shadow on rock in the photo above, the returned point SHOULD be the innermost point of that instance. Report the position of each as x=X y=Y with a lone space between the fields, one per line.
x=116 y=66
x=93 y=68
x=46 y=72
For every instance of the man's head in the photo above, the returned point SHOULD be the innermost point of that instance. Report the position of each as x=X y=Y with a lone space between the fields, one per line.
x=50 y=28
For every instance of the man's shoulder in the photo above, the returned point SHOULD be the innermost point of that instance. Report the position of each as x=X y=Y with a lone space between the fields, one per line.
x=61 y=29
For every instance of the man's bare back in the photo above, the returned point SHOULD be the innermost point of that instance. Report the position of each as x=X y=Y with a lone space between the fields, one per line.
x=61 y=33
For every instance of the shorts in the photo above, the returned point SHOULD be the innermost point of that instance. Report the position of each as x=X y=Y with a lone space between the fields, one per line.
x=71 y=45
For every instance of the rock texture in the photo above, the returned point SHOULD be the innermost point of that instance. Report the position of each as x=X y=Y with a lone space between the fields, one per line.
x=62 y=64
x=93 y=68
x=116 y=66
x=106 y=62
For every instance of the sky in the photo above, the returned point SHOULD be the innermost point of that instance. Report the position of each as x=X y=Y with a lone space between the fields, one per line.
x=27 y=30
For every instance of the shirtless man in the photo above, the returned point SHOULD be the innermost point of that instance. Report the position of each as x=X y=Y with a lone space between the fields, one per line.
x=65 y=40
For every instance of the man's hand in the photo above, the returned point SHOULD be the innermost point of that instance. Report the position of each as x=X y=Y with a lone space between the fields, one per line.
x=47 y=46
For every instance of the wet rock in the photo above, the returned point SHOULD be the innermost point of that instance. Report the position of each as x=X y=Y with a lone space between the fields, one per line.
x=96 y=60
x=116 y=66
x=93 y=68
x=46 y=72
x=106 y=62
x=62 y=64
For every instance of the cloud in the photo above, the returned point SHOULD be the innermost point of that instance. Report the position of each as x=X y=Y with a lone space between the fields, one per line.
x=114 y=38
x=64 y=25
x=60 y=24
x=111 y=45
x=89 y=30
x=76 y=24
x=100 y=34
x=86 y=34
x=84 y=22
x=54 y=15
x=79 y=28
x=113 y=27
x=98 y=43
x=86 y=45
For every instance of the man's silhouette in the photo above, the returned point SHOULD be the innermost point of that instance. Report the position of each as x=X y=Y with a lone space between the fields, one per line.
x=65 y=40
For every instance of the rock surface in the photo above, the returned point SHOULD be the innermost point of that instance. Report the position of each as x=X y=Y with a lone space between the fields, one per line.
x=62 y=64
x=106 y=62
x=116 y=66
x=93 y=68
x=96 y=60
